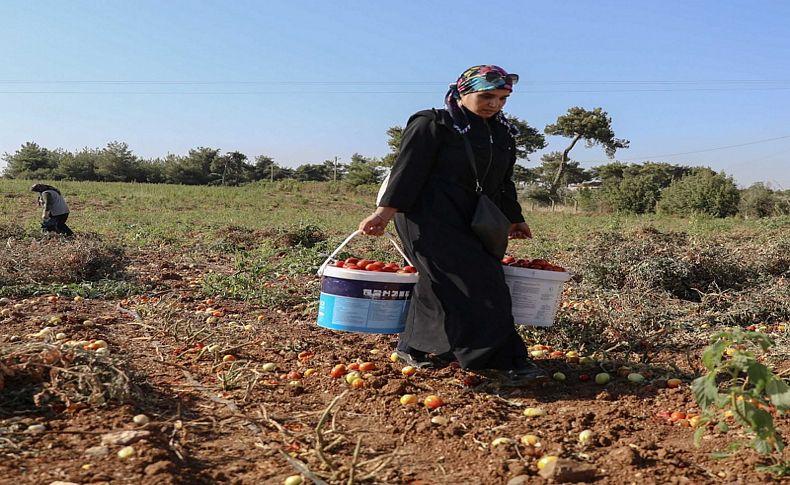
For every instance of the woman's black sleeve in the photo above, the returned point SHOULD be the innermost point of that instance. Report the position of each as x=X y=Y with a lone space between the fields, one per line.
x=510 y=206
x=411 y=170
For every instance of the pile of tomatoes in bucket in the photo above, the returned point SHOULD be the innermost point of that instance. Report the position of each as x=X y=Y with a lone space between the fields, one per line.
x=540 y=264
x=373 y=265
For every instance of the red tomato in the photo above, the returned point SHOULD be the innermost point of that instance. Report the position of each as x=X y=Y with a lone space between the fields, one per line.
x=367 y=366
x=337 y=371
x=433 y=402
x=352 y=266
x=364 y=262
x=470 y=380
x=677 y=416
x=340 y=263
x=409 y=269
x=353 y=366
x=375 y=266
x=508 y=260
x=305 y=355
x=352 y=260
x=293 y=375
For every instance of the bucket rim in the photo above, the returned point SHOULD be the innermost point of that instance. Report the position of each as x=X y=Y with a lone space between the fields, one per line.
x=536 y=273
x=377 y=276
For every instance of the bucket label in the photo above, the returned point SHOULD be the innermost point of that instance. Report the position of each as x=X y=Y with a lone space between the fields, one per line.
x=363 y=306
x=376 y=290
x=534 y=301
x=362 y=315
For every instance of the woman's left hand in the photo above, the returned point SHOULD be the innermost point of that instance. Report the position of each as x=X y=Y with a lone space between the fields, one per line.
x=520 y=230
x=373 y=225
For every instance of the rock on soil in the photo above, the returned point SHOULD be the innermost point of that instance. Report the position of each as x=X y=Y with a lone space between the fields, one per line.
x=563 y=471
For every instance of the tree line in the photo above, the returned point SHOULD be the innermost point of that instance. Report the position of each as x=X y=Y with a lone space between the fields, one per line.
x=614 y=187
x=201 y=166
x=209 y=166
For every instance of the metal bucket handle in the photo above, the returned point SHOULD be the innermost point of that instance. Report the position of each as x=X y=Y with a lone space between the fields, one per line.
x=349 y=238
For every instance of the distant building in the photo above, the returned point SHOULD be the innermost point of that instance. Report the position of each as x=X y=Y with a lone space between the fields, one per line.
x=592 y=184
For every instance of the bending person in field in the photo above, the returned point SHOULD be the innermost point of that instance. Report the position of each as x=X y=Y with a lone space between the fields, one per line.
x=55 y=211
x=460 y=308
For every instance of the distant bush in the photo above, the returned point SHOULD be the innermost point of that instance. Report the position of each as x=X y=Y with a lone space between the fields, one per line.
x=587 y=200
x=540 y=195
x=635 y=194
x=366 y=189
x=703 y=192
x=758 y=201
x=288 y=185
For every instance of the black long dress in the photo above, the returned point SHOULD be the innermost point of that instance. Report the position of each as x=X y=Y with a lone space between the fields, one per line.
x=461 y=303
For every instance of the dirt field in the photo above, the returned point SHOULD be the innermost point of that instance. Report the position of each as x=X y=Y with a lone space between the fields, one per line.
x=216 y=420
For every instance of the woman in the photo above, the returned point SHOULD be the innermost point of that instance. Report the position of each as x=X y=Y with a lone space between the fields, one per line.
x=55 y=210
x=460 y=308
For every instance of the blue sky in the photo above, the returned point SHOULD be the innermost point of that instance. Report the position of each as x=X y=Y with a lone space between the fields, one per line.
x=687 y=82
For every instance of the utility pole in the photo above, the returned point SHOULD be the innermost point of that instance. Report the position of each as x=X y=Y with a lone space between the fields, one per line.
x=335 y=177
x=272 y=171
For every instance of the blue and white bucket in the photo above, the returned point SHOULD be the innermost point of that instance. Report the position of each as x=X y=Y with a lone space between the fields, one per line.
x=364 y=301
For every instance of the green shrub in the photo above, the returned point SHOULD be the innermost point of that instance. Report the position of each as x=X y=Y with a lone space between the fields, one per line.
x=758 y=201
x=635 y=194
x=703 y=192
x=587 y=200
x=540 y=195
x=288 y=185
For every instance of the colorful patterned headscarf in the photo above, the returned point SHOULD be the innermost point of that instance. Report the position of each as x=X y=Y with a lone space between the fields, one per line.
x=473 y=80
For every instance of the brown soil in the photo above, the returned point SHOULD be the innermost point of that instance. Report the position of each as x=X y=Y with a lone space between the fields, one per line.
x=263 y=428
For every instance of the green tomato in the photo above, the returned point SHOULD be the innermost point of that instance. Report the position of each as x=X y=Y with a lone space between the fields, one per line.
x=636 y=378
x=602 y=378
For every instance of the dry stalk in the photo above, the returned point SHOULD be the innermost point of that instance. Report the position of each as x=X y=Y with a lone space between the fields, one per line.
x=354 y=459
x=265 y=416
x=251 y=424
x=319 y=438
x=245 y=344
x=173 y=443
x=302 y=468
x=131 y=313
x=406 y=431
x=378 y=468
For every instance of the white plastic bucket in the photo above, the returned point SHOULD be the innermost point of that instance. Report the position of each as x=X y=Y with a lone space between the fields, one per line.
x=535 y=294
x=364 y=301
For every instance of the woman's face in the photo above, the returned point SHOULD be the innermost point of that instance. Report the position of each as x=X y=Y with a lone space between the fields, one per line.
x=485 y=104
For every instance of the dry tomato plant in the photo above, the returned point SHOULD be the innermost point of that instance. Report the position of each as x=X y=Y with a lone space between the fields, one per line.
x=636 y=290
x=43 y=260
x=61 y=376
